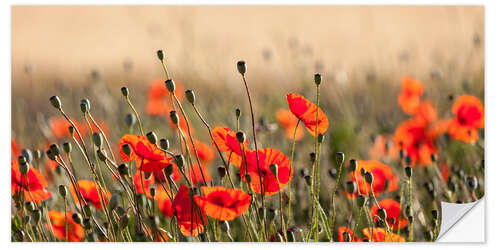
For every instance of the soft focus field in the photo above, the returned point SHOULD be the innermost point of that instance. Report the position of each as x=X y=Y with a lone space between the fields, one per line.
x=362 y=53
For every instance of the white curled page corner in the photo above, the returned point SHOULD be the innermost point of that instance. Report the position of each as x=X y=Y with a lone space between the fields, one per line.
x=462 y=222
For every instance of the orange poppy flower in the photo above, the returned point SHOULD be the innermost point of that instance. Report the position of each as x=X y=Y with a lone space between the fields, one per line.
x=349 y=231
x=148 y=157
x=164 y=201
x=383 y=149
x=58 y=222
x=384 y=179
x=132 y=141
x=34 y=188
x=59 y=127
x=417 y=139
x=90 y=194
x=197 y=176
x=226 y=140
x=205 y=152
x=267 y=157
x=189 y=216
x=426 y=112
x=392 y=209
x=158 y=107
x=409 y=97
x=288 y=121
x=469 y=117
x=223 y=203
x=158 y=90
x=380 y=235
x=306 y=112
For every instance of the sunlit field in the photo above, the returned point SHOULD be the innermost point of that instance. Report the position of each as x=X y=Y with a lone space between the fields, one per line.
x=224 y=123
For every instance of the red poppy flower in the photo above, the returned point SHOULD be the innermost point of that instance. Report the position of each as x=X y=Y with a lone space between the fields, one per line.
x=306 y=112
x=205 y=152
x=33 y=188
x=349 y=231
x=469 y=117
x=380 y=235
x=409 y=97
x=158 y=107
x=223 y=203
x=189 y=216
x=148 y=157
x=384 y=179
x=59 y=127
x=132 y=141
x=58 y=222
x=90 y=194
x=226 y=140
x=288 y=121
x=163 y=198
x=417 y=139
x=392 y=209
x=426 y=112
x=157 y=90
x=196 y=174
x=267 y=157
x=383 y=149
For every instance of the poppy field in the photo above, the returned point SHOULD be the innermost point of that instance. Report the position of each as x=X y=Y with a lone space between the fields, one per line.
x=172 y=161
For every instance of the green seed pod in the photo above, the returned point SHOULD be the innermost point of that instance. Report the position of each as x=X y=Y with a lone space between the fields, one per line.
x=362 y=171
x=408 y=171
x=37 y=216
x=55 y=149
x=126 y=149
x=101 y=155
x=248 y=178
x=221 y=171
x=179 y=161
x=114 y=201
x=408 y=211
x=369 y=177
x=238 y=113
x=242 y=67
x=333 y=173
x=77 y=218
x=317 y=79
x=170 y=84
x=429 y=235
x=21 y=159
x=434 y=157
x=224 y=226
x=392 y=221
x=351 y=187
x=97 y=138
x=240 y=135
x=124 y=221
x=56 y=102
x=361 y=200
x=274 y=169
x=308 y=179
x=130 y=120
x=346 y=236
x=174 y=117
x=30 y=206
x=321 y=138
x=312 y=157
x=408 y=160
x=382 y=213
x=160 y=55
x=471 y=182
x=27 y=154
x=164 y=144
x=24 y=168
x=85 y=105
x=71 y=130
x=168 y=170
x=67 y=147
x=63 y=191
x=353 y=165
x=123 y=169
x=339 y=157
x=152 y=191
x=125 y=91
x=38 y=154
x=190 y=96
x=152 y=137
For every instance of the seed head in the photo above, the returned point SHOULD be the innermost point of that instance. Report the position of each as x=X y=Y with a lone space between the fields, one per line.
x=160 y=55
x=27 y=154
x=164 y=144
x=30 y=206
x=123 y=169
x=67 y=147
x=351 y=187
x=63 y=191
x=434 y=157
x=190 y=96
x=238 y=113
x=56 y=102
x=55 y=149
x=85 y=105
x=408 y=171
x=308 y=179
x=170 y=84
x=152 y=137
x=317 y=79
x=346 y=236
x=240 y=135
x=382 y=213
x=169 y=170
x=471 y=182
x=125 y=91
x=77 y=218
x=368 y=177
x=37 y=216
x=274 y=169
x=339 y=157
x=361 y=200
x=321 y=138
x=242 y=67
x=174 y=117
x=353 y=165
x=179 y=160
x=130 y=120
x=101 y=155
x=221 y=171
x=97 y=138
x=126 y=149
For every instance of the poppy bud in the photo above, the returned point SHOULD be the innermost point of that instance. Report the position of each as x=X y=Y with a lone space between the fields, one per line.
x=224 y=225
x=242 y=67
x=71 y=130
x=351 y=187
x=379 y=223
x=368 y=177
x=38 y=154
x=77 y=218
x=308 y=179
x=164 y=144
x=97 y=138
x=174 y=117
x=339 y=157
x=408 y=160
x=63 y=191
x=67 y=147
x=238 y=113
x=312 y=157
x=126 y=149
x=333 y=173
x=190 y=96
x=321 y=138
x=30 y=206
x=346 y=236
x=434 y=157
x=160 y=55
x=248 y=178
x=152 y=191
x=429 y=235
x=179 y=160
x=353 y=164
x=27 y=154
x=168 y=170
x=221 y=171
x=382 y=213
x=123 y=169
x=87 y=209
x=23 y=165
x=317 y=79
x=392 y=221
x=125 y=91
x=274 y=169
x=124 y=221
x=361 y=200
x=408 y=171
x=362 y=171
x=101 y=155
x=130 y=119
x=37 y=216
x=152 y=137
x=471 y=182
x=87 y=224
x=170 y=84
x=85 y=105
x=435 y=214
x=55 y=101
x=240 y=135
x=55 y=149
